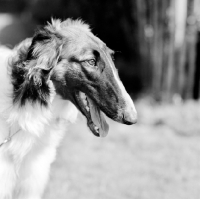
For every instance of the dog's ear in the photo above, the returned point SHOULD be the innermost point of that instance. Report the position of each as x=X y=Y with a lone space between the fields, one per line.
x=31 y=72
x=43 y=55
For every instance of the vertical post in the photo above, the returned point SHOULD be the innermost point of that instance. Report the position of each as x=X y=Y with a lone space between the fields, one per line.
x=180 y=44
x=170 y=66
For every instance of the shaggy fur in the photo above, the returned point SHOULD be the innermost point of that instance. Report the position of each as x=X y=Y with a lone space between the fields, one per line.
x=36 y=101
x=26 y=159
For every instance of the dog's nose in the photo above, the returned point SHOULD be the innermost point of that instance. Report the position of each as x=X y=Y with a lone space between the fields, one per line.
x=130 y=117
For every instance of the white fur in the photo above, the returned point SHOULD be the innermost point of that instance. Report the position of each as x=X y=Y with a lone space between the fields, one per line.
x=129 y=103
x=25 y=160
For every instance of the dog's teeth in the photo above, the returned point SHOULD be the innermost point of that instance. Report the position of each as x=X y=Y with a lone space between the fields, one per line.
x=96 y=128
x=85 y=102
x=82 y=95
x=87 y=108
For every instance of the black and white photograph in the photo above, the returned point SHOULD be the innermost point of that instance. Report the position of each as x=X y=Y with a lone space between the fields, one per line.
x=99 y=99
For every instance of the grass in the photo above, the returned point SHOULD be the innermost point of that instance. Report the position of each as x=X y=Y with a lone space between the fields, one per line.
x=157 y=158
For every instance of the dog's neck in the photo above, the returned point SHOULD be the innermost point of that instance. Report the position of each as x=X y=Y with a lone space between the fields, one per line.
x=32 y=117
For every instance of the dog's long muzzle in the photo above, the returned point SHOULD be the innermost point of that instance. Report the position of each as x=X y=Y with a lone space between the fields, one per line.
x=129 y=113
x=130 y=117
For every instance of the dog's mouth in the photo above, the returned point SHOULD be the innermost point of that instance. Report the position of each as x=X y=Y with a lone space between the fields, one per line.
x=95 y=117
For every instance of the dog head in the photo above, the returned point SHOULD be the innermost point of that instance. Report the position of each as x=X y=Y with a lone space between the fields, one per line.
x=68 y=58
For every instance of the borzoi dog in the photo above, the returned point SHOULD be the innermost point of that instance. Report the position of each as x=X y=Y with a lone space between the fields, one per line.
x=44 y=82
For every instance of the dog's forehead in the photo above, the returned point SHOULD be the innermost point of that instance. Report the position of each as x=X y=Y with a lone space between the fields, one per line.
x=78 y=34
x=84 y=42
x=98 y=42
x=89 y=40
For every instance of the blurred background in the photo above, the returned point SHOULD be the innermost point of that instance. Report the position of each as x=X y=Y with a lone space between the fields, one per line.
x=157 y=45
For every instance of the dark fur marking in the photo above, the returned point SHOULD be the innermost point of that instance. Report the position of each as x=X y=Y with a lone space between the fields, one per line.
x=41 y=36
x=35 y=87
x=26 y=89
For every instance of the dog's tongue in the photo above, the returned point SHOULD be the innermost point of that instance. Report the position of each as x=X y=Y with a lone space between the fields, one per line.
x=98 y=119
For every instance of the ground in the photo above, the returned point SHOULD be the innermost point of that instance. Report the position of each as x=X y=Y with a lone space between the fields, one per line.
x=158 y=158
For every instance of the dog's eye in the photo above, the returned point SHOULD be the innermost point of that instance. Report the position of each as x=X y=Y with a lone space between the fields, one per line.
x=92 y=62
